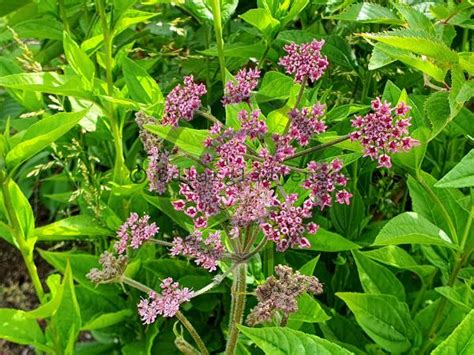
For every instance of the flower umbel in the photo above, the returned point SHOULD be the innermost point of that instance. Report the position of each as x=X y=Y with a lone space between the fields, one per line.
x=306 y=122
x=239 y=90
x=160 y=172
x=134 y=232
x=183 y=101
x=305 y=60
x=383 y=131
x=165 y=304
x=206 y=253
x=112 y=268
x=280 y=293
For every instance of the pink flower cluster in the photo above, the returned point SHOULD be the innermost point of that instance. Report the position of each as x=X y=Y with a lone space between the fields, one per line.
x=383 y=131
x=252 y=125
x=252 y=202
x=305 y=60
x=287 y=226
x=165 y=304
x=306 y=122
x=239 y=90
x=160 y=172
x=134 y=232
x=205 y=253
x=324 y=180
x=182 y=102
x=231 y=160
x=202 y=195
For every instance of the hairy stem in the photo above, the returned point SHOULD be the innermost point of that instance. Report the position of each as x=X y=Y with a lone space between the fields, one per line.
x=239 y=287
x=216 y=12
x=25 y=249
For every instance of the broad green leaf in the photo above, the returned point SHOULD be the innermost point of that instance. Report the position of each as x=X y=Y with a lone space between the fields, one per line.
x=416 y=19
x=41 y=27
x=416 y=41
x=414 y=158
x=368 y=13
x=107 y=319
x=141 y=86
x=46 y=82
x=66 y=321
x=41 y=134
x=325 y=240
x=438 y=112
x=377 y=279
x=16 y=327
x=21 y=208
x=462 y=175
x=71 y=228
x=412 y=228
x=284 y=341
x=385 y=319
x=6 y=234
x=202 y=9
x=461 y=296
x=397 y=257
x=78 y=59
x=309 y=311
x=261 y=19
x=165 y=206
x=275 y=86
x=308 y=268
x=296 y=7
x=461 y=341
x=187 y=139
x=238 y=50
x=10 y=6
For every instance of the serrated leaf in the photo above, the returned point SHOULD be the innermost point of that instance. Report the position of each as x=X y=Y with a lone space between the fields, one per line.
x=385 y=319
x=377 y=279
x=438 y=112
x=462 y=175
x=368 y=13
x=284 y=341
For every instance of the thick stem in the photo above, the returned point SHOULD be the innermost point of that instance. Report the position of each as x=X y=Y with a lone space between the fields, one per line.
x=216 y=12
x=194 y=334
x=318 y=147
x=239 y=287
x=25 y=250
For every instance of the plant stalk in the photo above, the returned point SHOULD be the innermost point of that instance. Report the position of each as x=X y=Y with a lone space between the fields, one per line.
x=239 y=287
x=216 y=12
x=318 y=147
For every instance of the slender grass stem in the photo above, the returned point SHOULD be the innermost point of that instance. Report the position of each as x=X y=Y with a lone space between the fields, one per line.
x=216 y=12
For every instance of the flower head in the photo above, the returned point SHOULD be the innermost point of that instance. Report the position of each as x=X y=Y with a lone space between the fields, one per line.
x=252 y=125
x=112 y=268
x=306 y=122
x=134 y=232
x=280 y=293
x=160 y=172
x=239 y=90
x=383 y=131
x=286 y=226
x=182 y=102
x=324 y=181
x=148 y=139
x=305 y=60
x=165 y=304
x=206 y=253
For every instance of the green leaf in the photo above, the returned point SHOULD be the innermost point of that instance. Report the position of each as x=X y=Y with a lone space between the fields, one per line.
x=107 y=319
x=187 y=139
x=41 y=134
x=165 y=206
x=275 y=86
x=284 y=341
x=71 y=228
x=78 y=59
x=261 y=19
x=414 y=158
x=309 y=311
x=418 y=42
x=376 y=279
x=141 y=86
x=325 y=240
x=7 y=234
x=10 y=6
x=21 y=208
x=238 y=50
x=385 y=319
x=47 y=82
x=461 y=341
x=368 y=13
x=438 y=112
x=15 y=326
x=296 y=7
x=412 y=228
x=397 y=257
x=66 y=321
x=308 y=268
x=459 y=296
x=416 y=19
x=462 y=175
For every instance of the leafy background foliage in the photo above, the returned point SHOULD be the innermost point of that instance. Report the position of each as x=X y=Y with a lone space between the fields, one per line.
x=396 y=264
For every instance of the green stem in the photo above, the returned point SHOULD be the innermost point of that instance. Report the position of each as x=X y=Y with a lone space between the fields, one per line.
x=116 y=128
x=216 y=12
x=298 y=101
x=238 y=306
x=63 y=14
x=318 y=147
x=25 y=250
